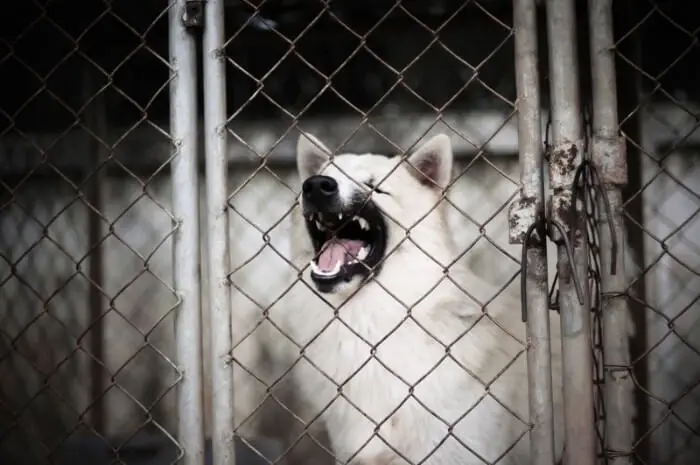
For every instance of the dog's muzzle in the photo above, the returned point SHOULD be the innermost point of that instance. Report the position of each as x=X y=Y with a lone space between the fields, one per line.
x=349 y=238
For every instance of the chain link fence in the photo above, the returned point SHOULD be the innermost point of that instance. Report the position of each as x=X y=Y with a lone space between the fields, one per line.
x=656 y=48
x=397 y=116
x=101 y=256
x=86 y=276
x=336 y=71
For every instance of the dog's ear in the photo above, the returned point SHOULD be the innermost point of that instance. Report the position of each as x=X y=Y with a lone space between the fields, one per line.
x=311 y=155
x=431 y=163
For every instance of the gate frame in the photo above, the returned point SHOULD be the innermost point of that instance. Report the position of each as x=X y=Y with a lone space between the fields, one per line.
x=565 y=159
x=527 y=215
x=529 y=211
x=216 y=162
x=609 y=159
x=186 y=239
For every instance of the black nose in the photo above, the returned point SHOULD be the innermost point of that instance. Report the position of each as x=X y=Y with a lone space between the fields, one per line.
x=320 y=190
x=320 y=187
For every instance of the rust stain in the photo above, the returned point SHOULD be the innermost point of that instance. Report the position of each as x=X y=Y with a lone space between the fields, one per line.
x=610 y=159
x=563 y=160
x=522 y=213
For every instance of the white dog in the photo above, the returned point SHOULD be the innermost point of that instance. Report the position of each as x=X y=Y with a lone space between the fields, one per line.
x=388 y=350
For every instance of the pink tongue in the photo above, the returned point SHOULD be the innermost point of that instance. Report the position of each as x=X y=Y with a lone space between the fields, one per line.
x=338 y=250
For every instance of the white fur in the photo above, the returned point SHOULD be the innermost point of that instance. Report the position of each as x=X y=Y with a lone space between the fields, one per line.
x=363 y=362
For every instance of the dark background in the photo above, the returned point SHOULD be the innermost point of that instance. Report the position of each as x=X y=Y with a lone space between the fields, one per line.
x=44 y=53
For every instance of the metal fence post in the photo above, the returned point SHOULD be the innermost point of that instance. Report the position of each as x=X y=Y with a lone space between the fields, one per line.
x=186 y=242
x=611 y=164
x=217 y=226
x=566 y=156
x=526 y=214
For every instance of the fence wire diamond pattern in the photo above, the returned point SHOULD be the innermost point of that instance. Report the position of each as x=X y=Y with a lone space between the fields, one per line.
x=660 y=124
x=264 y=275
x=86 y=291
x=89 y=230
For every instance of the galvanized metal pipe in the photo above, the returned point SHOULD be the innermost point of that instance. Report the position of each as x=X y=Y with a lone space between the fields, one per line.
x=217 y=229
x=565 y=158
x=524 y=214
x=611 y=164
x=186 y=242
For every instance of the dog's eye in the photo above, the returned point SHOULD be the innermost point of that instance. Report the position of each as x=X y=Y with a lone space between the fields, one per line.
x=371 y=185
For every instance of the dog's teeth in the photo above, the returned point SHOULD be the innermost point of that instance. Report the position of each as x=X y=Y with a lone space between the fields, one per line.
x=319 y=271
x=362 y=254
x=314 y=267
x=319 y=226
x=340 y=216
x=364 y=224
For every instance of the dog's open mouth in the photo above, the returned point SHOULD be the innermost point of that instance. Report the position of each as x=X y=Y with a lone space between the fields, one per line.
x=346 y=245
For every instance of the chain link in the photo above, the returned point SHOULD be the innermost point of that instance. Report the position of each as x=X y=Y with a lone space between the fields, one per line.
x=658 y=123
x=398 y=106
x=87 y=301
x=86 y=293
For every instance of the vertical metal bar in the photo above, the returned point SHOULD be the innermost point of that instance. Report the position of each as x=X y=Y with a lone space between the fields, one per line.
x=217 y=224
x=579 y=427
x=186 y=242
x=526 y=212
x=95 y=119
x=611 y=165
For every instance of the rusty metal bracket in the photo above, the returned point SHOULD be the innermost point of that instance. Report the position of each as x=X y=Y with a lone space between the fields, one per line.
x=564 y=161
x=610 y=159
x=524 y=212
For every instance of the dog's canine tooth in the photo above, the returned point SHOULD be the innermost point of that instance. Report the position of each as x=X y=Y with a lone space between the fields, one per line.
x=314 y=267
x=364 y=224
x=362 y=254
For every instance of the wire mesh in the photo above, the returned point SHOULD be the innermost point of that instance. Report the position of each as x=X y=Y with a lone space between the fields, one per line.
x=658 y=120
x=87 y=300
x=86 y=293
x=336 y=71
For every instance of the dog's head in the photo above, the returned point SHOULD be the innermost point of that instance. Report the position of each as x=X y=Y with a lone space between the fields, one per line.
x=357 y=208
